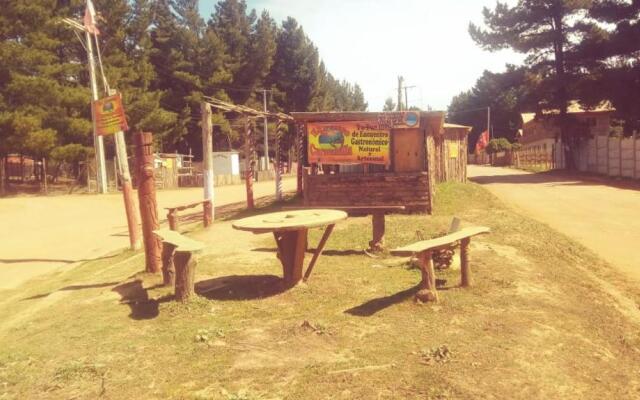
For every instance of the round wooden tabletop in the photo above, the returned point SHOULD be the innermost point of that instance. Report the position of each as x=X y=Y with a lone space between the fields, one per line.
x=289 y=220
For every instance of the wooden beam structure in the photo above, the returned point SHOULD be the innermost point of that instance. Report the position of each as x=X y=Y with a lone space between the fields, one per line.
x=250 y=115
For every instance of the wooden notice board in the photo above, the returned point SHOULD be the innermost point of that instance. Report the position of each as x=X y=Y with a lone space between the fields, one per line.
x=408 y=150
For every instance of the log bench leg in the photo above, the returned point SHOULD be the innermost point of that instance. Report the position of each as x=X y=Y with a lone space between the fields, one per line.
x=427 y=290
x=465 y=268
x=185 y=264
x=168 y=269
x=172 y=217
x=378 y=224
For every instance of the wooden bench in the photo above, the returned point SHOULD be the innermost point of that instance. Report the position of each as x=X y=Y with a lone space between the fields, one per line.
x=179 y=262
x=423 y=251
x=174 y=219
x=377 y=219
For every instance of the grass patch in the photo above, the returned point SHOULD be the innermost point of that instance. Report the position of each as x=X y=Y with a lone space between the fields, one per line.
x=535 y=312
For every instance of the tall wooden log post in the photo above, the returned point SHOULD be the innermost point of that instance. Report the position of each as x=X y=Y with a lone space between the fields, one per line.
x=249 y=162
x=207 y=156
x=147 y=200
x=278 y=161
x=300 y=147
x=127 y=191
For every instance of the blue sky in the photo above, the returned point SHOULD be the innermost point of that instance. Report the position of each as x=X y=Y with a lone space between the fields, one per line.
x=371 y=42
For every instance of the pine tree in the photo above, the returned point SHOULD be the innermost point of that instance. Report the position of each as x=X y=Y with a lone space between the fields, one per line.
x=42 y=104
x=540 y=29
x=609 y=55
x=295 y=71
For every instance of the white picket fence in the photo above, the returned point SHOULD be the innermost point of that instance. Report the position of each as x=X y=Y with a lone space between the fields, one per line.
x=611 y=156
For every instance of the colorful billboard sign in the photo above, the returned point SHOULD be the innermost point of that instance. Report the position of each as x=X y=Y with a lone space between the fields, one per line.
x=350 y=142
x=109 y=115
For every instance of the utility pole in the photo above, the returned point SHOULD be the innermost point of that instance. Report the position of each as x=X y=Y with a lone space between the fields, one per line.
x=98 y=142
x=266 y=129
x=400 y=81
x=406 y=97
x=207 y=161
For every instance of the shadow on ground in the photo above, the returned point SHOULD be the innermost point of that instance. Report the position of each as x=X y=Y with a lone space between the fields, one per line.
x=557 y=178
x=73 y=287
x=136 y=296
x=240 y=287
x=51 y=260
x=376 y=305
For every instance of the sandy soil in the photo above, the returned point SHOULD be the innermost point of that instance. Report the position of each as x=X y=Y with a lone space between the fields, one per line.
x=41 y=234
x=601 y=215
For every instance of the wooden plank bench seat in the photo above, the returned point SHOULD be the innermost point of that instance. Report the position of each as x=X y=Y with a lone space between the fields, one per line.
x=377 y=219
x=174 y=218
x=423 y=251
x=179 y=262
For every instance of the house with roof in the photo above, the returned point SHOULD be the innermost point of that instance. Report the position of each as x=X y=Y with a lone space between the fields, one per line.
x=540 y=131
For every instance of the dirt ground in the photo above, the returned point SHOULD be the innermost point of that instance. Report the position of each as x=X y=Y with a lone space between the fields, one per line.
x=43 y=233
x=602 y=215
x=545 y=319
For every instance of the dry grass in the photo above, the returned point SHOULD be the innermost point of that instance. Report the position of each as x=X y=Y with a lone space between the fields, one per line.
x=545 y=319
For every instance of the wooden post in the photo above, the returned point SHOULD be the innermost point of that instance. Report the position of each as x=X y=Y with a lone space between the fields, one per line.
x=207 y=213
x=185 y=264
x=427 y=290
x=378 y=223
x=3 y=175
x=248 y=162
x=174 y=220
x=127 y=191
x=465 y=268
x=300 y=142
x=147 y=199
x=44 y=176
x=207 y=158
x=168 y=268
x=635 y=156
x=278 y=161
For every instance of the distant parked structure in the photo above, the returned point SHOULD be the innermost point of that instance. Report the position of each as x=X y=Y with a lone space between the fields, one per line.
x=540 y=131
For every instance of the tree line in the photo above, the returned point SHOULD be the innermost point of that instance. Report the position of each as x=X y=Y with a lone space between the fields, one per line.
x=163 y=56
x=576 y=50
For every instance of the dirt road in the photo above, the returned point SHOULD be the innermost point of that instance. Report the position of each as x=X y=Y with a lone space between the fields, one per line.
x=603 y=217
x=41 y=234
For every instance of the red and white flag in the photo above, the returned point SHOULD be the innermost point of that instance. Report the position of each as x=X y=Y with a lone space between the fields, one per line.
x=90 y=19
x=482 y=142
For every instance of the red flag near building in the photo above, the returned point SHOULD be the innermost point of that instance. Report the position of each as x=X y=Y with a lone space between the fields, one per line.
x=90 y=19
x=482 y=142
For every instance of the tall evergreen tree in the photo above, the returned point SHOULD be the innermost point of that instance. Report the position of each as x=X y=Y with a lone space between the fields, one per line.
x=42 y=105
x=545 y=31
x=296 y=66
x=610 y=56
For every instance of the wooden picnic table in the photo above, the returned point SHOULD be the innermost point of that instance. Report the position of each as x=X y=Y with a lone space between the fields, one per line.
x=290 y=230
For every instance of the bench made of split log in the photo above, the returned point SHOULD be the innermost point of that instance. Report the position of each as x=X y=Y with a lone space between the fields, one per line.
x=423 y=251
x=179 y=262
x=174 y=219
x=377 y=219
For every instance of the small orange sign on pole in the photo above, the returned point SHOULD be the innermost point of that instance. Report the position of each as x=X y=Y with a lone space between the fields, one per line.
x=109 y=115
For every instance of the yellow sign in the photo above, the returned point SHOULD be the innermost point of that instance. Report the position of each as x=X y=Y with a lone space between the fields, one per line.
x=109 y=115
x=454 y=149
x=348 y=143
